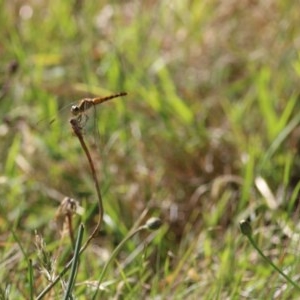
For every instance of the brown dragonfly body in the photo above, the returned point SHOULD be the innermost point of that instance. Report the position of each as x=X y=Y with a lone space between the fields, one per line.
x=87 y=103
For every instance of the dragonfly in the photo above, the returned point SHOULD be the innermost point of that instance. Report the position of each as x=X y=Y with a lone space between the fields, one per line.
x=79 y=110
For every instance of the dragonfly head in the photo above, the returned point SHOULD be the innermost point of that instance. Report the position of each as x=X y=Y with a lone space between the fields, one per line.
x=75 y=110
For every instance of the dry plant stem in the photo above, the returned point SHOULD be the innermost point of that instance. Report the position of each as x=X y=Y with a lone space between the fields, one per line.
x=78 y=131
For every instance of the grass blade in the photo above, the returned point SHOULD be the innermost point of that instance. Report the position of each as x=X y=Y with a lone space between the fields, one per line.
x=74 y=263
x=30 y=275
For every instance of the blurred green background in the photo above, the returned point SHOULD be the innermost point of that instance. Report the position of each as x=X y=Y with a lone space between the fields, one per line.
x=208 y=135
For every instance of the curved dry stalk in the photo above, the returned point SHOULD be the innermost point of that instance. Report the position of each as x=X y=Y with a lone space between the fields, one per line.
x=78 y=132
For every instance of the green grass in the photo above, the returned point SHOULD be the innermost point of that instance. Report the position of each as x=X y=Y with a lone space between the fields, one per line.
x=207 y=136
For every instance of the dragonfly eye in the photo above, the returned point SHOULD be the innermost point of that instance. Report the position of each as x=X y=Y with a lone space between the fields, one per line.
x=75 y=110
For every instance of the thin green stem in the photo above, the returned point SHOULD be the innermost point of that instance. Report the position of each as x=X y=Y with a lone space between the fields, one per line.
x=247 y=231
x=75 y=262
x=114 y=254
x=30 y=275
x=152 y=224
x=272 y=264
